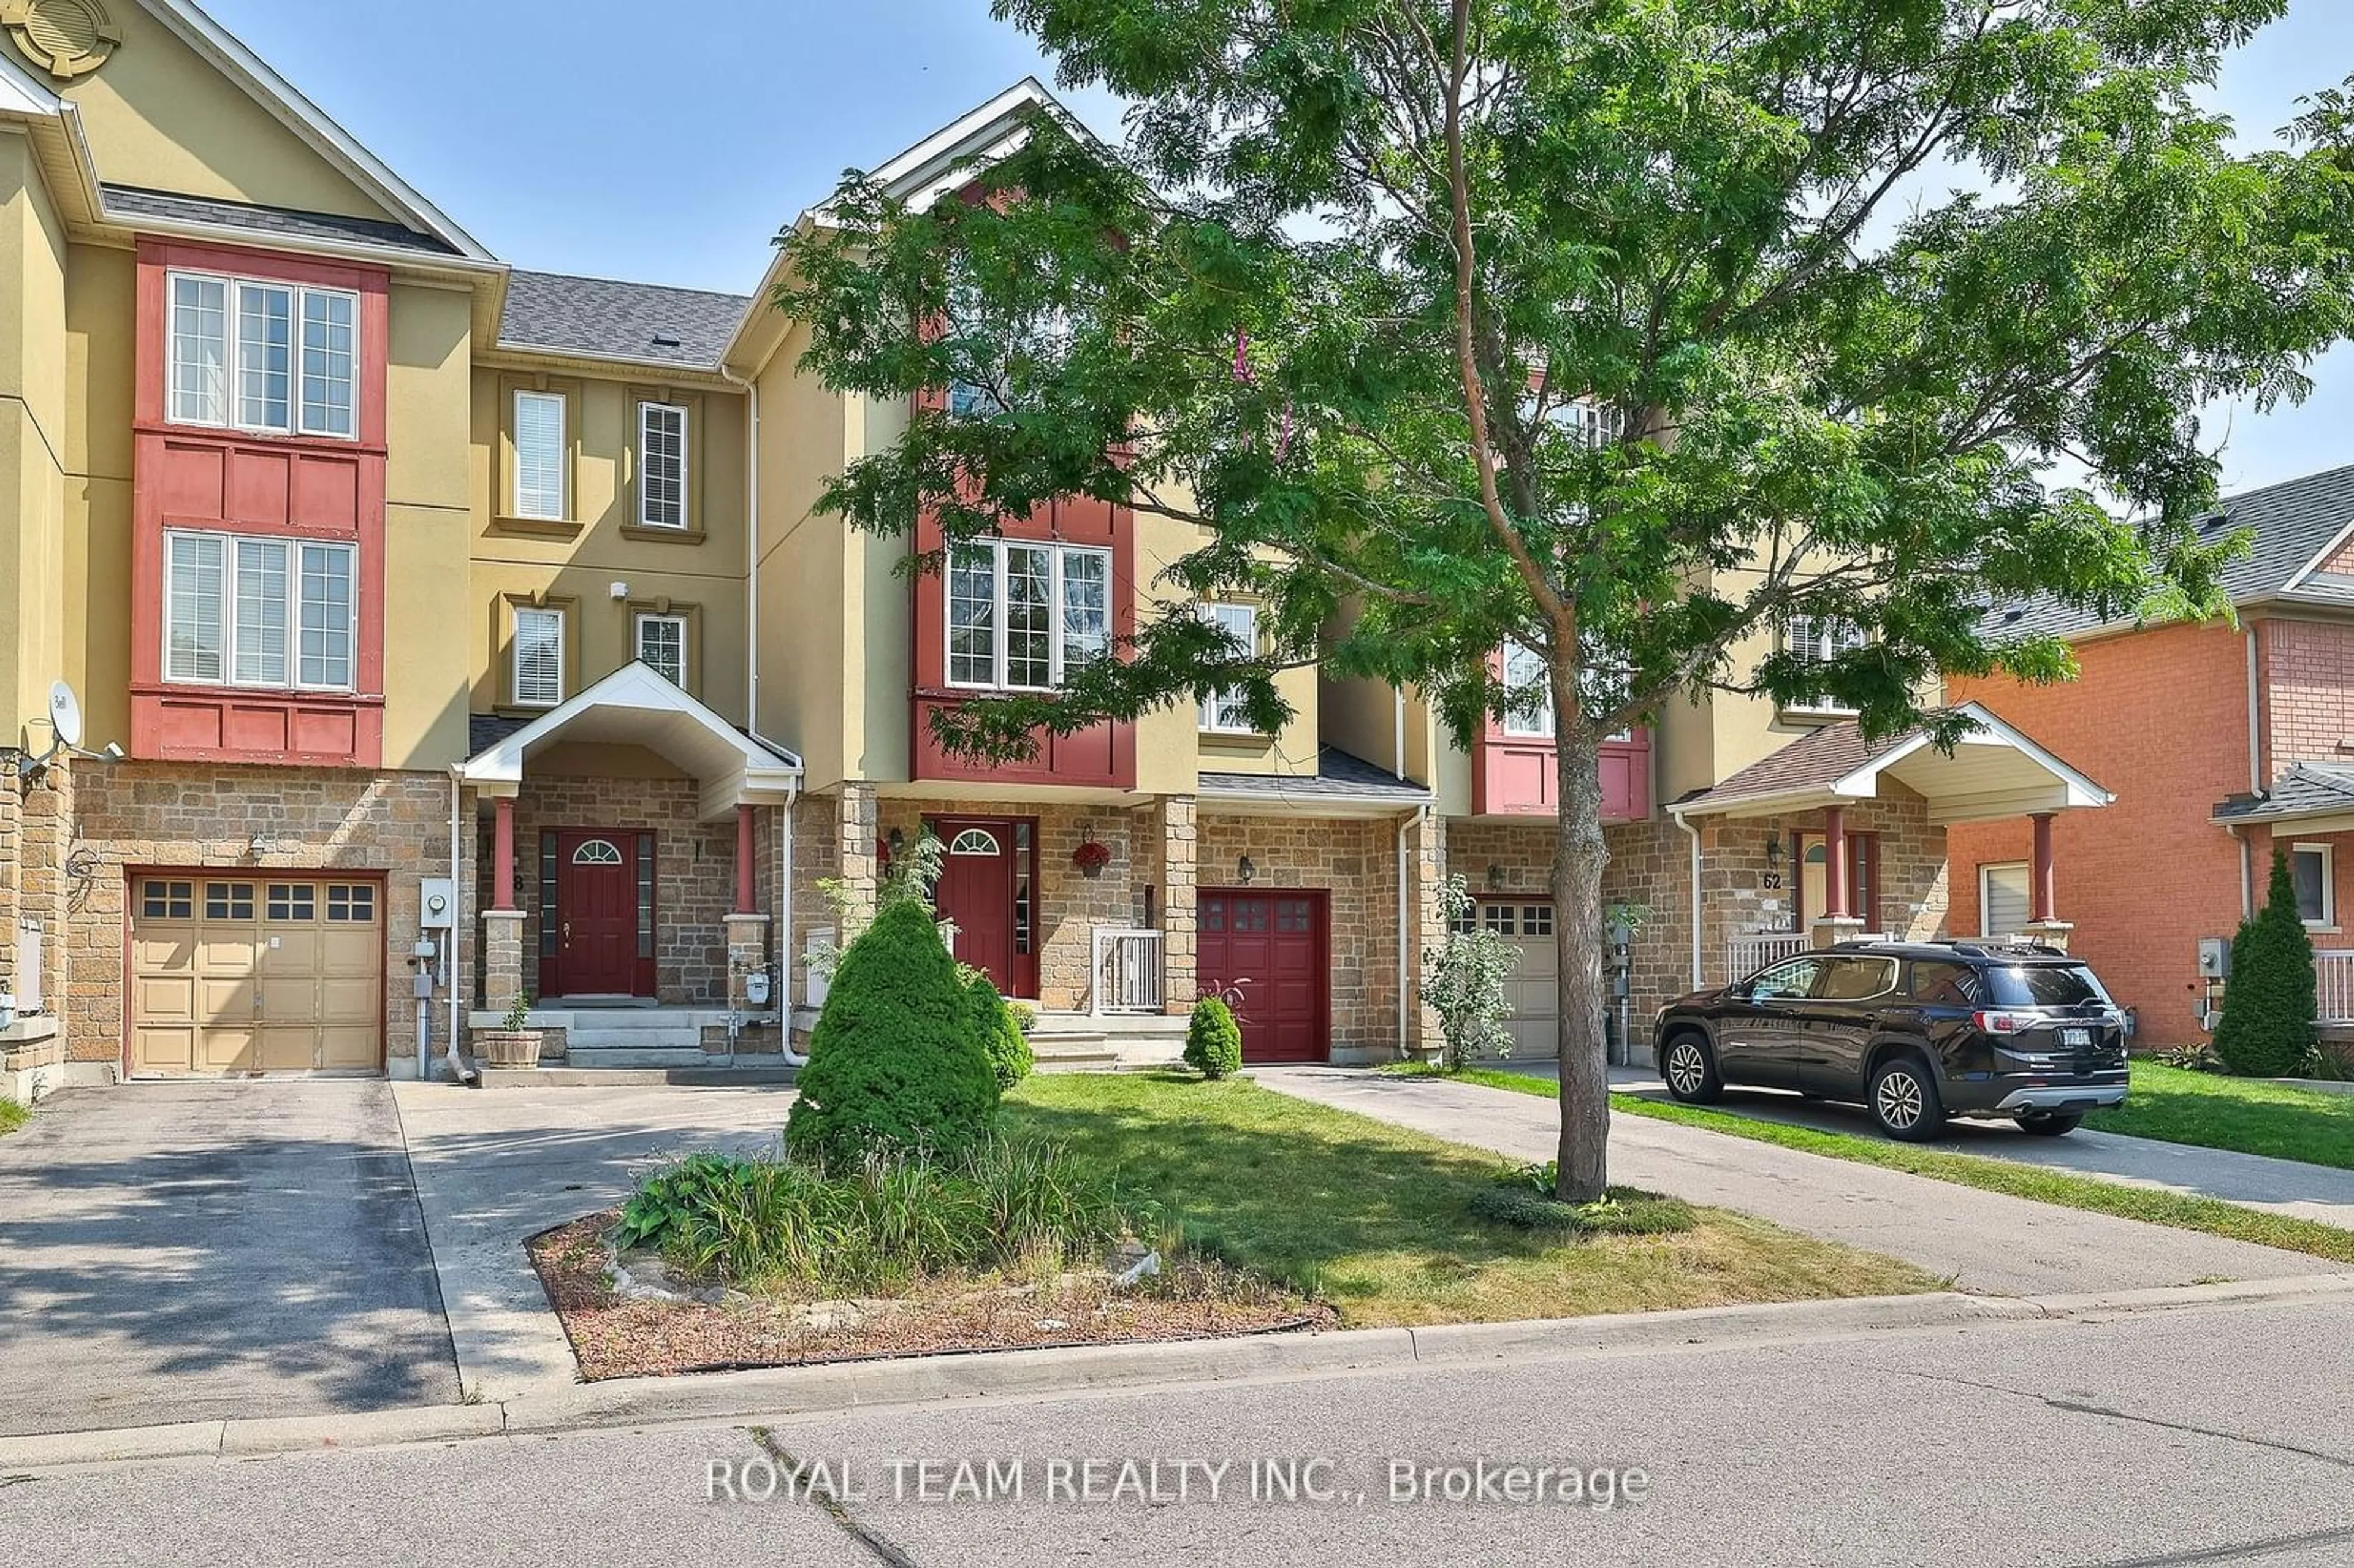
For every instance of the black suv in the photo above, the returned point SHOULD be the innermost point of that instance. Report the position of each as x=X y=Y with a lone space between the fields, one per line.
x=1914 y=1030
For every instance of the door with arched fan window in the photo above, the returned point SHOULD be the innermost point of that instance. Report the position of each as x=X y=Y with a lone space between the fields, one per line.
x=596 y=928
x=988 y=890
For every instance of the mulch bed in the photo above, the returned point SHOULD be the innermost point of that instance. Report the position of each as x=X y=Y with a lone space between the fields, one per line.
x=613 y=1336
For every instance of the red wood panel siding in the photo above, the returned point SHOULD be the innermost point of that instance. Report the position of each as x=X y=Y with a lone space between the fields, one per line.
x=1520 y=775
x=1102 y=755
x=236 y=481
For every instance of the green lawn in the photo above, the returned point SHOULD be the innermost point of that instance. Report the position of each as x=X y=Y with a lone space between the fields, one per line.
x=12 y=1117
x=1374 y=1220
x=2212 y=1215
x=2246 y=1113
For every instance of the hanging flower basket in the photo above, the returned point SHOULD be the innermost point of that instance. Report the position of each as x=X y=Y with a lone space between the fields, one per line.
x=1091 y=858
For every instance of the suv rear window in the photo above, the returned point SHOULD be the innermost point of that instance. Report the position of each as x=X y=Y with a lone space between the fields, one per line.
x=2044 y=985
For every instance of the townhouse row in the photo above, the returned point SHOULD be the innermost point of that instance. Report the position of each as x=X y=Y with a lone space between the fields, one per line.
x=467 y=634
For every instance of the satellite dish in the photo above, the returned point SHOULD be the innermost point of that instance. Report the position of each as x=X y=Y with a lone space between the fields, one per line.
x=65 y=715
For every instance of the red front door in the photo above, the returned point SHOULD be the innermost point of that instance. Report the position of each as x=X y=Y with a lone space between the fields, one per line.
x=594 y=950
x=1269 y=950
x=987 y=878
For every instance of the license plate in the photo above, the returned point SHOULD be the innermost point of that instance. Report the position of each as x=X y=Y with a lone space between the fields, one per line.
x=2075 y=1037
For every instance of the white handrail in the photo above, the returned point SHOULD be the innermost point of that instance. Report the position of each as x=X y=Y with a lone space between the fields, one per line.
x=1126 y=975
x=1746 y=952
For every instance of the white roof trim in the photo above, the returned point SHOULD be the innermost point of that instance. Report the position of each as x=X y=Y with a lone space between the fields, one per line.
x=1862 y=783
x=21 y=92
x=2336 y=543
x=308 y=121
x=634 y=685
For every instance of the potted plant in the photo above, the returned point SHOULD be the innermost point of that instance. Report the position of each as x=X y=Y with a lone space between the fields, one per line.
x=1091 y=857
x=511 y=1044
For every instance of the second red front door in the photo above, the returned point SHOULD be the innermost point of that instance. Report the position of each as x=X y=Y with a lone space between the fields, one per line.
x=987 y=877
x=591 y=943
x=1266 y=953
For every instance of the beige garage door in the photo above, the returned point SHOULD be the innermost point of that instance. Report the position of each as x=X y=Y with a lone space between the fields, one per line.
x=1532 y=989
x=255 y=975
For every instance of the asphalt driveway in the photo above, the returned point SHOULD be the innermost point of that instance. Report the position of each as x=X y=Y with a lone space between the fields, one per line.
x=194 y=1252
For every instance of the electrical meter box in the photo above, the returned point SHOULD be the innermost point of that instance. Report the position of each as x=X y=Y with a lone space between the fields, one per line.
x=437 y=903
x=2214 y=957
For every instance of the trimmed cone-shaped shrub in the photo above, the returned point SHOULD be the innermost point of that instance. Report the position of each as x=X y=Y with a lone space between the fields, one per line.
x=895 y=1061
x=1214 y=1040
x=1001 y=1033
x=2269 y=1007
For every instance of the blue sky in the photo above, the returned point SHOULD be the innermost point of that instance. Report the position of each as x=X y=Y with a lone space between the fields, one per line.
x=624 y=139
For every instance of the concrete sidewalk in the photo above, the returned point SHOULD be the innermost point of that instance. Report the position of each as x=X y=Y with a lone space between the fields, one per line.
x=1985 y=1242
x=2289 y=1187
x=495 y=1169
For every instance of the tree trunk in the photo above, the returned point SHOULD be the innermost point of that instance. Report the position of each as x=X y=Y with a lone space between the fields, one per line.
x=1578 y=860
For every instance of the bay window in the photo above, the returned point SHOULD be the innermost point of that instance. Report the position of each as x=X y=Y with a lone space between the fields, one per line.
x=273 y=358
x=1020 y=616
x=245 y=611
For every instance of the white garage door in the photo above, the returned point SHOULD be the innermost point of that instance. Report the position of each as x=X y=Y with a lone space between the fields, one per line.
x=1533 y=989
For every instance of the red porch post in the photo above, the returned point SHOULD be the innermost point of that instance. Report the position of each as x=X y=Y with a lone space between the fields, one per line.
x=744 y=861
x=2040 y=880
x=1837 y=872
x=503 y=852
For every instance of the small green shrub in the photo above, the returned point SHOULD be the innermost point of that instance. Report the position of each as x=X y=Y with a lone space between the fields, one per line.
x=893 y=1218
x=1463 y=983
x=2269 y=1004
x=1214 y=1040
x=895 y=1061
x=12 y=1117
x=1522 y=1198
x=1001 y=1033
x=2191 y=1059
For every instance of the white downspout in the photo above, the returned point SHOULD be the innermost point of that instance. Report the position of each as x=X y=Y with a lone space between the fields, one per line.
x=1399 y=752
x=457 y=913
x=1693 y=833
x=752 y=716
x=1404 y=952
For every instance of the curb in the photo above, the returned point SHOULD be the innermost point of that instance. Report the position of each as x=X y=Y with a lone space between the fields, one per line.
x=775 y=1391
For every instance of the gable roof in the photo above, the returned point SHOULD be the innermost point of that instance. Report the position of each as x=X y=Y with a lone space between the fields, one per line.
x=132 y=204
x=606 y=319
x=217 y=45
x=1997 y=770
x=2293 y=527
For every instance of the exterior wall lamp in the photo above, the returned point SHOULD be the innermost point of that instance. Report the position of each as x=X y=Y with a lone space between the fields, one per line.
x=1245 y=871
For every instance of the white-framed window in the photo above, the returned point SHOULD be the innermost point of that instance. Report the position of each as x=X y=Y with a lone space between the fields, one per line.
x=661 y=646
x=245 y=611
x=1021 y=615
x=540 y=451
x=2004 y=906
x=1530 y=713
x=250 y=355
x=2312 y=869
x=661 y=465
x=1818 y=639
x=1224 y=711
x=538 y=657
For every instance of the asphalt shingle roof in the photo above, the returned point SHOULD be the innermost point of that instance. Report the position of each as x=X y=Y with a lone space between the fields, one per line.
x=2307 y=789
x=1338 y=772
x=607 y=319
x=133 y=203
x=2290 y=523
x=1811 y=762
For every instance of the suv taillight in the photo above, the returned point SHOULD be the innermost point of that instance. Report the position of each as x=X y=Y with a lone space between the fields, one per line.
x=1999 y=1021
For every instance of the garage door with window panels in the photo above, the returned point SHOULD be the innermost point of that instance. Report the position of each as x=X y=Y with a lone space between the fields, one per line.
x=1532 y=991
x=255 y=975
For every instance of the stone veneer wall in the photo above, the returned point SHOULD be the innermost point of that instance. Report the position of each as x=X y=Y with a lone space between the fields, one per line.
x=1355 y=860
x=694 y=871
x=36 y=838
x=199 y=817
x=1068 y=905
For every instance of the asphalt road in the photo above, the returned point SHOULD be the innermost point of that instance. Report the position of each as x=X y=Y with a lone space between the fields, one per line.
x=191 y=1252
x=2208 y=1435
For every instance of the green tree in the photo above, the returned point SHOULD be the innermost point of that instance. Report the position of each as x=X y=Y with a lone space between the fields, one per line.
x=1463 y=983
x=1010 y=1056
x=897 y=1058
x=1626 y=330
x=1214 y=1040
x=2269 y=1004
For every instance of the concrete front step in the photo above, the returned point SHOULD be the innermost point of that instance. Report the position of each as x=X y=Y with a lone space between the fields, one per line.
x=771 y=1073
x=604 y=1054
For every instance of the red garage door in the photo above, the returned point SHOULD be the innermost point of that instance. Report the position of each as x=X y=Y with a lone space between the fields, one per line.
x=1271 y=948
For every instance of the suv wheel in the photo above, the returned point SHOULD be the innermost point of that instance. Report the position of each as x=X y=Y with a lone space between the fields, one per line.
x=1690 y=1071
x=1904 y=1099
x=2043 y=1124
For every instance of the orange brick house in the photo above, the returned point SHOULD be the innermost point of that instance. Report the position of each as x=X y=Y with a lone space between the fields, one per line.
x=2220 y=741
